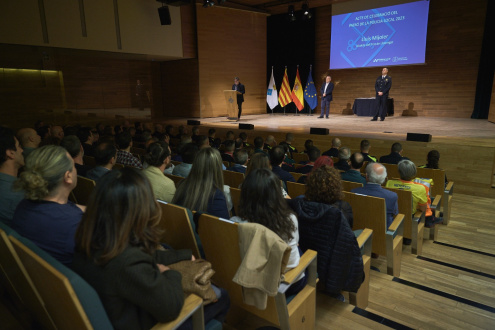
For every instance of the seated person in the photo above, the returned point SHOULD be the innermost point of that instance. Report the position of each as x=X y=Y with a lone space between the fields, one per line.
x=29 y=140
x=118 y=253
x=313 y=155
x=277 y=155
x=344 y=156
x=105 y=158
x=365 y=147
x=202 y=141
x=188 y=154
x=244 y=137
x=258 y=145
x=124 y=156
x=354 y=173
x=11 y=160
x=46 y=216
x=203 y=189
x=376 y=174
x=228 y=153
x=241 y=161
x=307 y=145
x=334 y=150
x=288 y=164
x=158 y=157
x=321 y=161
x=72 y=144
x=324 y=186
x=289 y=139
x=261 y=160
x=395 y=155
x=86 y=137
x=421 y=199
x=269 y=143
x=432 y=159
x=262 y=202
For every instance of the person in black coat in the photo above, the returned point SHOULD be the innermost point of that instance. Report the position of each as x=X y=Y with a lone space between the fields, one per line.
x=237 y=86
x=395 y=155
x=382 y=87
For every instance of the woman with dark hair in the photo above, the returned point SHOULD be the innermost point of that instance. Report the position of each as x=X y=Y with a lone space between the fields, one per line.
x=158 y=157
x=118 y=253
x=203 y=189
x=324 y=185
x=433 y=158
x=261 y=160
x=262 y=202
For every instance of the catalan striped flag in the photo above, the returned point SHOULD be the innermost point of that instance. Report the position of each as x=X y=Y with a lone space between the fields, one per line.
x=284 y=95
x=297 y=94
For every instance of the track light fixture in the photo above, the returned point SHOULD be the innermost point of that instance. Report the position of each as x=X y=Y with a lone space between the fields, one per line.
x=208 y=3
x=291 y=15
x=305 y=11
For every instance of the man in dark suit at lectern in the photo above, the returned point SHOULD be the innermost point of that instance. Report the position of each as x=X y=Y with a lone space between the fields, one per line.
x=326 y=96
x=237 y=86
x=382 y=86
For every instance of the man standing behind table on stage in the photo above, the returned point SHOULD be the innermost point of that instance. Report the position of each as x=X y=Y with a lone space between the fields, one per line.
x=382 y=86
x=237 y=86
x=326 y=98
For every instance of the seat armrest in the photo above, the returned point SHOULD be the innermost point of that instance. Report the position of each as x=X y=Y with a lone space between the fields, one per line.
x=419 y=216
x=450 y=188
x=396 y=224
x=192 y=305
x=304 y=262
x=436 y=202
x=365 y=241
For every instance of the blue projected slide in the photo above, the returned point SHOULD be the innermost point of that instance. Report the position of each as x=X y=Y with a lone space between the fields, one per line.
x=385 y=36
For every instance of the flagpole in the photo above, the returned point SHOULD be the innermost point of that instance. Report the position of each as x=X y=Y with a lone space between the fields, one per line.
x=310 y=70
x=270 y=81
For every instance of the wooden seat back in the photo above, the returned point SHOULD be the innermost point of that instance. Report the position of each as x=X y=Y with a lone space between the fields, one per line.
x=298 y=158
x=296 y=175
x=235 y=193
x=224 y=255
x=19 y=284
x=233 y=179
x=177 y=229
x=175 y=178
x=83 y=189
x=295 y=189
x=349 y=185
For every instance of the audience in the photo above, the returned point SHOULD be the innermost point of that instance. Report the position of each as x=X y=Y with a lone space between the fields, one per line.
x=105 y=159
x=211 y=137
x=202 y=141
x=118 y=252
x=228 y=153
x=324 y=186
x=395 y=155
x=433 y=159
x=376 y=174
x=344 y=156
x=241 y=161
x=262 y=202
x=334 y=150
x=289 y=139
x=244 y=138
x=72 y=144
x=157 y=157
x=29 y=140
x=365 y=147
x=86 y=137
x=203 y=189
x=57 y=132
x=195 y=134
x=124 y=156
x=258 y=145
x=11 y=160
x=188 y=154
x=313 y=155
x=354 y=173
x=46 y=216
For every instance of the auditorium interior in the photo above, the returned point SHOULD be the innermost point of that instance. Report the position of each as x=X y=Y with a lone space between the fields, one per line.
x=77 y=62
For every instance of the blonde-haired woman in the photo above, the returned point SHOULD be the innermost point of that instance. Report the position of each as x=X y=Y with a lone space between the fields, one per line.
x=203 y=189
x=46 y=216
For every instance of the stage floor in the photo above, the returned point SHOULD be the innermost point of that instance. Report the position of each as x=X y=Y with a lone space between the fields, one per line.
x=393 y=128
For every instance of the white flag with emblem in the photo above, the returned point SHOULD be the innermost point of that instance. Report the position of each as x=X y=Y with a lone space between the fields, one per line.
x=271 y=93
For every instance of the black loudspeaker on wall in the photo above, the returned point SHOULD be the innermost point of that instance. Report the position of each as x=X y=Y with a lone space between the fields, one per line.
x=246 y=126
x=318 y=131
x=419 y=137
x=193 y=122
x=164 y=14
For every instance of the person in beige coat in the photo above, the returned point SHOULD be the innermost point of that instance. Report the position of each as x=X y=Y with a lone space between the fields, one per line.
x=158 y=157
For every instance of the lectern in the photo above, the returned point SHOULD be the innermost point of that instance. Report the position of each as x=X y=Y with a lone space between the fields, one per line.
x=231 y=103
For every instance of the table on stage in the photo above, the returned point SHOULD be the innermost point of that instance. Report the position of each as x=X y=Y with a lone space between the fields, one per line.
x=365 y=106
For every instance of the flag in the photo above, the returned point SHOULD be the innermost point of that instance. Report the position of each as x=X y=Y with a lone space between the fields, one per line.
x=271 y=93
x=284 y=96
x=310 y=94
x=297 y=94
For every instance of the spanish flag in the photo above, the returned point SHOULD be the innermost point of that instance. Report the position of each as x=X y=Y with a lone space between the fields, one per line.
x=284 y=95
x=298 y=93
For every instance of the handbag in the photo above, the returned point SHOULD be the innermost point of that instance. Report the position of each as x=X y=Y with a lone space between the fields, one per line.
x=196 y=278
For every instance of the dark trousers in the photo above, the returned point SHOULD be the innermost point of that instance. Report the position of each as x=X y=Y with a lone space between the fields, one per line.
x=239 y=104
x=381 y=106
x=325 y=107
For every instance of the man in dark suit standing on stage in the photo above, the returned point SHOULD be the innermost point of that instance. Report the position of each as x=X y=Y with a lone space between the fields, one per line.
x=237 y=86
x=326 y=98
x=382 y=86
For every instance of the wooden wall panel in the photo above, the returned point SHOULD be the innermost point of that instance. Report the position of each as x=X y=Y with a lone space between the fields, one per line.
x=231 y=43
x=180 y=89
x=444 y=87
x=491 y=111
x=188 y=28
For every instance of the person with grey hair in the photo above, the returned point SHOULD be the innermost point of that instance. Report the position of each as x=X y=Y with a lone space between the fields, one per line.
x=241 y=158
x=344 y=156
x=376 y=174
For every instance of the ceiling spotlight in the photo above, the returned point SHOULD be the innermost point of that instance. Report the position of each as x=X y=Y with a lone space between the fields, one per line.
x=291 y=14
x=208 y=3
x=220 y=2
x=306 y=12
